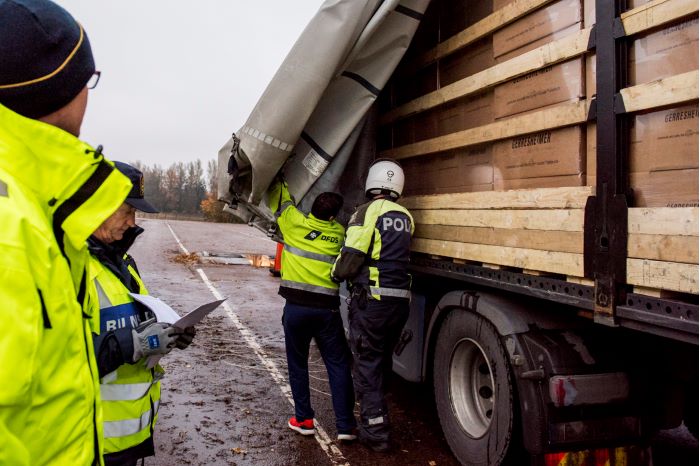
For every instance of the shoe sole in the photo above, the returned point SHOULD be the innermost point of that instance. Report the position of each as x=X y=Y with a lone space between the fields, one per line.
x=301 y=430
x=347 y=437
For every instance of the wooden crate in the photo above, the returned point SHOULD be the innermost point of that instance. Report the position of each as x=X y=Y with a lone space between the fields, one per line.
x=539 y=230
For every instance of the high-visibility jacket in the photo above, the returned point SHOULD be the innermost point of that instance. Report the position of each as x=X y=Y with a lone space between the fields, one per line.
x=376 y=252
x=54 y=192
x=131 y=393
x=310 y=248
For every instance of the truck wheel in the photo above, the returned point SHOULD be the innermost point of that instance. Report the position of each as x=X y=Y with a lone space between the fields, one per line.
x=474 y=390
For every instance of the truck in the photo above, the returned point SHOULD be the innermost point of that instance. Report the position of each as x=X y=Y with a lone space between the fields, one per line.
x=550 y=150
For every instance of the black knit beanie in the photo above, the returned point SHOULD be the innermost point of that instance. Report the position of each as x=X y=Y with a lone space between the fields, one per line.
x=45 y=57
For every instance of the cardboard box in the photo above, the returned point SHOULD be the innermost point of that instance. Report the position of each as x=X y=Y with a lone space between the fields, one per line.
x=456 y=16
x=466 y=170
x=465 y=113
x=589 y=9
x=665 y=140
x=416 y=128
x=590 y=76
x=466 y=62
x=551 y=85
x=661 y=140
x=668 y=188
x=556 y=152
x=543 y=182
x=562 y=82
x=536 y=25
x=666 y=52
x=407 y=88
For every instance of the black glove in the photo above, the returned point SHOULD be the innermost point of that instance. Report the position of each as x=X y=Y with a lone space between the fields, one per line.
x=185 y=338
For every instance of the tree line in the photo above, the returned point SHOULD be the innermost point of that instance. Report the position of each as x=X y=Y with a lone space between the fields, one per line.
x=183 y=188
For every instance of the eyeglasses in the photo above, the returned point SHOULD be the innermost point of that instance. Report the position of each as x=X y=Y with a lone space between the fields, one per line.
x=94 y=79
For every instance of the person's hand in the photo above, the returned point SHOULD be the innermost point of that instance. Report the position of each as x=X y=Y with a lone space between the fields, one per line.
x=185 y=337
x=153 y=338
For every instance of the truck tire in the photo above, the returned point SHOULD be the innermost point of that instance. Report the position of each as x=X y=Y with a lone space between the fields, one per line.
x=474 y=391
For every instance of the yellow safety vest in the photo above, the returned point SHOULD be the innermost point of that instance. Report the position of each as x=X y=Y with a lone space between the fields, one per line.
x=130 y=394
x=310 y=245
x=54 y=192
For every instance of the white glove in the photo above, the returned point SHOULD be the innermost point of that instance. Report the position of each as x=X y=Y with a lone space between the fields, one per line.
x=154 y=338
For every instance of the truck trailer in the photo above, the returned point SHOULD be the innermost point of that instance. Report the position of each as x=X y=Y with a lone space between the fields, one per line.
x=550 y=150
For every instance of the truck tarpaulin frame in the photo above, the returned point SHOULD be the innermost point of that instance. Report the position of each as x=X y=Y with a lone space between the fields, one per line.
x=310 y=116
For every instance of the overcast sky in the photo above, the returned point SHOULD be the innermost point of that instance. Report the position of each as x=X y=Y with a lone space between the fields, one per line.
x=178 y=77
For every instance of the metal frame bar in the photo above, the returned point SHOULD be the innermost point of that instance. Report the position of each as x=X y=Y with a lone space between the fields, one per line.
x=664 y=317
x=605 y=231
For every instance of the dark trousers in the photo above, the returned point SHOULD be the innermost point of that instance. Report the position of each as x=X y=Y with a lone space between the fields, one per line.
x=375 y=328
x=301 y=324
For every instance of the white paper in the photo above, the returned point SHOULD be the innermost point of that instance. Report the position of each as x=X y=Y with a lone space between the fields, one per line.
x=162 y=311
x=165 y=313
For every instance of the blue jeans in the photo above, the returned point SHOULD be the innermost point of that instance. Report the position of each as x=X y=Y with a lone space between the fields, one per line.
x=301 y=324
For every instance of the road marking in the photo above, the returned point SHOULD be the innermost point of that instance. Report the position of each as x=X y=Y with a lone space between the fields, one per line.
x=332 y=451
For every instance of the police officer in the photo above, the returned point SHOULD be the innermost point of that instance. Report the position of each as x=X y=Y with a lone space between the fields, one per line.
x=55 y=190
x=311 y=244
x=374 y=260
x=128 y=335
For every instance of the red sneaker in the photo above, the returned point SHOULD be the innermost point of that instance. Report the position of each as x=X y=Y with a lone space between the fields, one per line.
x=305 y=427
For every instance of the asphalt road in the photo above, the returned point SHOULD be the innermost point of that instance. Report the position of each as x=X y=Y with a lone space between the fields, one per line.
x=225 y=400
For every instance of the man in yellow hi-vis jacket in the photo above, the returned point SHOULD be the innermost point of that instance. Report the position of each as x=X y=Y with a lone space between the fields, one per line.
x=127 y=335
x=374 y=261
x=55 y=190
x=311 y=244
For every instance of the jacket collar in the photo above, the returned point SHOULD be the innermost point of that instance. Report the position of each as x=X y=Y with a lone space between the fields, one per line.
x=57 y=167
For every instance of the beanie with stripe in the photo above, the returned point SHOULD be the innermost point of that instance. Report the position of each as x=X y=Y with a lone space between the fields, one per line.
x=45 y=57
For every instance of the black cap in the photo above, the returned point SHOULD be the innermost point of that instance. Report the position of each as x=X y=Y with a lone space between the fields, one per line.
x=45 y=57
x=135 y=198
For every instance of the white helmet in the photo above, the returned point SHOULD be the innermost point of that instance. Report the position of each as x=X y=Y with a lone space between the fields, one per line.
x=384 y=175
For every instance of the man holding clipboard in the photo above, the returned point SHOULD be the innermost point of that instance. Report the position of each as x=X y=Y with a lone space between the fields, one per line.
x=128 y=335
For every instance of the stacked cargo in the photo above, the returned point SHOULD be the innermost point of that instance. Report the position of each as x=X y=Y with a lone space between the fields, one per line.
x=498 y=99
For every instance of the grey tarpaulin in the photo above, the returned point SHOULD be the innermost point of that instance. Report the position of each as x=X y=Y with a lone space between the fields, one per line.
x=314 y=110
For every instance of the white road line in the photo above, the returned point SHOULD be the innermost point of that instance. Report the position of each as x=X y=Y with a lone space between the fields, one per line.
x=332 y=451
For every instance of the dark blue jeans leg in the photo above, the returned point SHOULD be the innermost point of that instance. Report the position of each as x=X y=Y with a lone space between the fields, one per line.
x=335 y=352
x=297 y=338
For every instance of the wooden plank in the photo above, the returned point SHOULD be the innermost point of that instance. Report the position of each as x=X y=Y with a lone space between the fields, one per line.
x=543 y=198
x=663 y=275
x=548 y=261
x=656 y=13
x=663 y=248
x=670 y=221
x=555 y=117
x=580 y=281
x=549 y=54
x=656 y=293
x=669 y=91
x=556 y=219
x=562 y=241
x=506 y=15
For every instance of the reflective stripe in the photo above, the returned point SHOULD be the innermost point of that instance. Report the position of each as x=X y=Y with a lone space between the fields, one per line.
x=113 y=429
x=126 y=391
x=102 y=296
x=3 y=188
x=308 y=287
x=329 y=259
x=393 y=292
x=282 y=207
